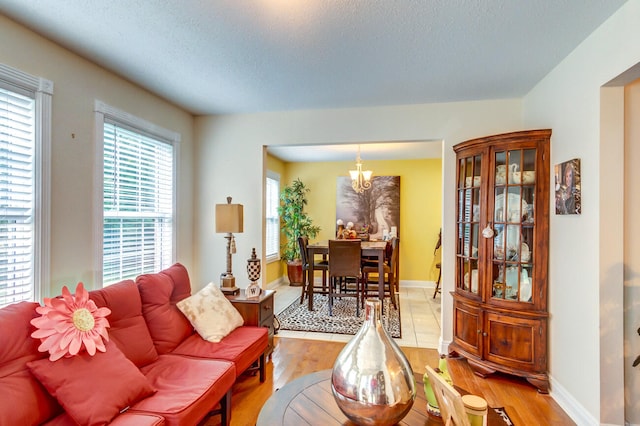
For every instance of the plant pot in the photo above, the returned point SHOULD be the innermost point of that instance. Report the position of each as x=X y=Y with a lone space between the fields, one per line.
x=294 y=272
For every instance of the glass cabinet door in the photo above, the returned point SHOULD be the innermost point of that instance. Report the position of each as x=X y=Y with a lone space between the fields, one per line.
x=468 y=223
x=514 y=222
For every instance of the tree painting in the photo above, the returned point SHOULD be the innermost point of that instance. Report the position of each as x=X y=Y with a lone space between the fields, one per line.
x=378 y=207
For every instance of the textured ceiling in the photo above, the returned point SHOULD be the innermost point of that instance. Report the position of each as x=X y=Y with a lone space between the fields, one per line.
x=240 y=56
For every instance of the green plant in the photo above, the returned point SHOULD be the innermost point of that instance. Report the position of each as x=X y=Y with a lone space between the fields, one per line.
x=295 y=222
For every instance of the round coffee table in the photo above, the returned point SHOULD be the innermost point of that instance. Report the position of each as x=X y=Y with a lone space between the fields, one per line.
x=308 y=401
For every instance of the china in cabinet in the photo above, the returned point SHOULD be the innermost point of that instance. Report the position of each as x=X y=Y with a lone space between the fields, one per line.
x=502 y=232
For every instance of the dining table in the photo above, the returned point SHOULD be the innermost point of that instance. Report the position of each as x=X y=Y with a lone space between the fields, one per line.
x=372 y=249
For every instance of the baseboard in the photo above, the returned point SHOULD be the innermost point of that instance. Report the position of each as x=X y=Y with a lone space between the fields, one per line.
x=417 y=284
x=443 y=346
x=277 y=283
x=568 y=403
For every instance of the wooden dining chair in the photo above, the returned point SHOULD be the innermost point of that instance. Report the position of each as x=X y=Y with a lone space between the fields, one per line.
x=438 y=265
x=307 y=279
x=391 y=279
x=345 y=273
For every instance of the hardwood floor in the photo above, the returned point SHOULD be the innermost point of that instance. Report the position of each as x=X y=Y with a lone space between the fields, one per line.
x=293 y=358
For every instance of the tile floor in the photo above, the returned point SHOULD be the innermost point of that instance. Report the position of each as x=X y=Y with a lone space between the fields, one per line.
x=419 y=312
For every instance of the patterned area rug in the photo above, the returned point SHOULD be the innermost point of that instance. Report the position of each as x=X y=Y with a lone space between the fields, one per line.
x=501 y=413
x=296 y=317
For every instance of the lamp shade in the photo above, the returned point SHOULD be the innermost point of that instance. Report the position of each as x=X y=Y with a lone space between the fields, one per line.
x=229 y=218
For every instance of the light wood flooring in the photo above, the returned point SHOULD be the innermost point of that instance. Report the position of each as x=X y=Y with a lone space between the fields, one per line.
x=293 y=358
x=297 y=354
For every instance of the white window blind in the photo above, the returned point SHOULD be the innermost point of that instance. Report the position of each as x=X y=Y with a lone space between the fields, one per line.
x=137 y=203
x=25 y=185
x=17 y=151
x=273 y=220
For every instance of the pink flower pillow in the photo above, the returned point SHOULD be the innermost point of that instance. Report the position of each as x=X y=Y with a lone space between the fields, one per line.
x=69 y=323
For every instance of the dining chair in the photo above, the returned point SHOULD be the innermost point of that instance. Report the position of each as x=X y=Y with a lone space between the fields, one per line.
x=345 y=272
x=391 y=279
x=438 y=265
x=307 y=279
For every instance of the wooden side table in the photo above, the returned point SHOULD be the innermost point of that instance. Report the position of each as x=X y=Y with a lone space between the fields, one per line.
x=256 y=312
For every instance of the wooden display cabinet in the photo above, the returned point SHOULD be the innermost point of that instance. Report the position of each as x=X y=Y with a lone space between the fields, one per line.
x=502 y=241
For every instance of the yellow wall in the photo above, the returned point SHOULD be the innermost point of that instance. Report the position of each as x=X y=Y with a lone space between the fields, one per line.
x=420 y=205
x=274 y=269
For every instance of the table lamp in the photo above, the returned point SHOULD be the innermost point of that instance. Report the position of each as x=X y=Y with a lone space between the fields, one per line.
x=229 y=219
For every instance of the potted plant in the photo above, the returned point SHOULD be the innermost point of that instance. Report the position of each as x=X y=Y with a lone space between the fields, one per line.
x=295 y=223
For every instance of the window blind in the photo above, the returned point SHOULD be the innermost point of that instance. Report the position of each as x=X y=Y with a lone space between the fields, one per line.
x=137 y=203
x=17 y=150
x=272 y=218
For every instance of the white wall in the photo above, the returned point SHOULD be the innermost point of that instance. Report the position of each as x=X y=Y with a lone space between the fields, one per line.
x=585 y=276
x=632 y=251
x=229 y=162
x=77 y=83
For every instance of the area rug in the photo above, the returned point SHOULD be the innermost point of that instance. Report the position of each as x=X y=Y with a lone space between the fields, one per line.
x=297 y=317
x=501 y=414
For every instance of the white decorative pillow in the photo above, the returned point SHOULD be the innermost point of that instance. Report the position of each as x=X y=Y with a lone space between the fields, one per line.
x=211 y=313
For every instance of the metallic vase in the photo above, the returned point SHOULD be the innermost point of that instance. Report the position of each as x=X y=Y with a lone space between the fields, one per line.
x=372 y=381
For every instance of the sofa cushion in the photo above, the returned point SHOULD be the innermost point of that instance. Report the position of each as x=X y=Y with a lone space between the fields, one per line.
x=128 y=327
x=181 y=282
x=159 y=294
x=187 y=388
x=23 y=400
x=124 y=419
x=243 y=346
x=211 y=313
x=93 y=389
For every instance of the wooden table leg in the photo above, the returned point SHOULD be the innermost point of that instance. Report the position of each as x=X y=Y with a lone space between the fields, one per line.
x=381 y=279
x=311 y=278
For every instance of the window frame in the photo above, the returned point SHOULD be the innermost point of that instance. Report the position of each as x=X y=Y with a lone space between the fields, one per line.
x=42 y=91
x=102 y=111
x=272 y=257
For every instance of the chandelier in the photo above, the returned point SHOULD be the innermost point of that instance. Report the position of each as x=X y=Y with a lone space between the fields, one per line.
x=360 y=180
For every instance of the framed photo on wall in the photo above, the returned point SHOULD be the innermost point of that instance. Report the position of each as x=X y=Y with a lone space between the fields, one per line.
x=567 y=187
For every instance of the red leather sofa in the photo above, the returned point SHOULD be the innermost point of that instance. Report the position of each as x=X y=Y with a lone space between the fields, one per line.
x=190 y=377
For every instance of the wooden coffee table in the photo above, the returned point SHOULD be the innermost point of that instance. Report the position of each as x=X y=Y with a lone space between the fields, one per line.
x=308 y=401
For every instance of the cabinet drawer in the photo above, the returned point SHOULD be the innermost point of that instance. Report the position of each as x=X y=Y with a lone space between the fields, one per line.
x=266 y=310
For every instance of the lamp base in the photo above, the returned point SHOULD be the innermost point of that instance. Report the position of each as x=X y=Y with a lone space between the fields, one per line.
x=228 y=284
x=230 y=291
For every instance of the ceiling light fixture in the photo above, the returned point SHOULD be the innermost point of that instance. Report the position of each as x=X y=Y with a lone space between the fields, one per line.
x=360 y=180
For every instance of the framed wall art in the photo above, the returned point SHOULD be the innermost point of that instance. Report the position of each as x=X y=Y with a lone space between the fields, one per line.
x=567 y=187
x=377 y=209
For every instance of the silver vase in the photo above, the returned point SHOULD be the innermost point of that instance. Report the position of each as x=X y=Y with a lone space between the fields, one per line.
x=372 y=381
